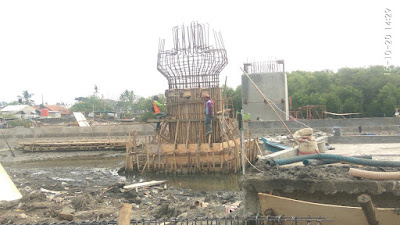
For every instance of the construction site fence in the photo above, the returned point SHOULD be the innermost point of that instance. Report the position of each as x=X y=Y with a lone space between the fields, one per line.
x=256 y=220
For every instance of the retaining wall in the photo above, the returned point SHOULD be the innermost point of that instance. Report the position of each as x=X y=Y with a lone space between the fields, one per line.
x=363 y=139
x=62 y=131
x=381 y=125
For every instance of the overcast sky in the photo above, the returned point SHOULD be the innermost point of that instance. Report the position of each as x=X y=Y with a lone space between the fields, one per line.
x=62 y=49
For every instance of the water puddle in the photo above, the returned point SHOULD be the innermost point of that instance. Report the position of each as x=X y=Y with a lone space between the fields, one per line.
x=105 y=168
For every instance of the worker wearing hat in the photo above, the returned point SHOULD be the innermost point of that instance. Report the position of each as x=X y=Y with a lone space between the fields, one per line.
x=208 y=109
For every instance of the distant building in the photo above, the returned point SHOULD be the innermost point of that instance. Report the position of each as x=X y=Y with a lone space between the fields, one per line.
x=56 y=111
x=20 y=111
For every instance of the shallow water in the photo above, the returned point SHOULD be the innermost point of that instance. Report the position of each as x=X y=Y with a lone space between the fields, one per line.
x=105 y=169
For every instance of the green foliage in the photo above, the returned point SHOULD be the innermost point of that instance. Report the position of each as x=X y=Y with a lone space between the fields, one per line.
x=234 y=96
x=90 y=104
x=127 y=101
x=27 y=98
x=144 y=105
x=351 y=90
x=19 y=122
x=387 y=99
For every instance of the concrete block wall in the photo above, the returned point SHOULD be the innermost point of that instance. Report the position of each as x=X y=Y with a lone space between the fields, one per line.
x=379 y=125
x=274 y=87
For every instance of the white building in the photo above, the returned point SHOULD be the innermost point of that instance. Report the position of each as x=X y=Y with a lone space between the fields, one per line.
x=20 y=111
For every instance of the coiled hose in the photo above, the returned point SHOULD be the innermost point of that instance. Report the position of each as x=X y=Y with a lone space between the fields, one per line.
x=354 y=160
x=374 y=175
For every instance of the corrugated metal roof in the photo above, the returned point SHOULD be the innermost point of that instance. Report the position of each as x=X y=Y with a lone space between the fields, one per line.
x=13 y=108
x=59 y=108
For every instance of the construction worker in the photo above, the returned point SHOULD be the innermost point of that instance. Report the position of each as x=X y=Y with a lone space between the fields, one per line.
x=157 y=111
x=208 y=109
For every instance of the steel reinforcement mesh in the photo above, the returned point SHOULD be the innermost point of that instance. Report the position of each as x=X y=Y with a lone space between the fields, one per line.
x=265 y=220
x=193 y=62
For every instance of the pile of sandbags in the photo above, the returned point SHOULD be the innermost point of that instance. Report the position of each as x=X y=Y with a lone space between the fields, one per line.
x=306 y=140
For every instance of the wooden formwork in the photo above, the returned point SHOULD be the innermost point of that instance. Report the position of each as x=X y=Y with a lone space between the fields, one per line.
x=168 y=156
x=181 y=144
x=186 y=112
x=221 y=157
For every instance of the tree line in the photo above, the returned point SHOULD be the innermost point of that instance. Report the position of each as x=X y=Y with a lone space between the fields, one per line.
x=369 y=91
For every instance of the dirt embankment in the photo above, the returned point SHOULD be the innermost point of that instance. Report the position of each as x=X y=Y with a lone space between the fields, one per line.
x=329 y=184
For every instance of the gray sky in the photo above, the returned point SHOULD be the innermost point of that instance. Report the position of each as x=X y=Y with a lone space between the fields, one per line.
x=61 y=49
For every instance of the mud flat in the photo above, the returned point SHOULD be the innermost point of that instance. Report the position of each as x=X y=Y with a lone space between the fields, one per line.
x=87 y=187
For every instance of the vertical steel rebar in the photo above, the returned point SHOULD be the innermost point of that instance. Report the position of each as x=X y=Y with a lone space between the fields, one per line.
x=192 y=62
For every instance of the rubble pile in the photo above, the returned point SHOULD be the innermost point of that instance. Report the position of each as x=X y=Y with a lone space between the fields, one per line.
x=51 y=196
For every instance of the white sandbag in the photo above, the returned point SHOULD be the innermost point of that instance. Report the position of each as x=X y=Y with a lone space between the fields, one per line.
x=303 y=132
x=308 y=147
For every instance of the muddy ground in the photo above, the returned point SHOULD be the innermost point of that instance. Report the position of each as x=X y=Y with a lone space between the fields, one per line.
x=86 y=185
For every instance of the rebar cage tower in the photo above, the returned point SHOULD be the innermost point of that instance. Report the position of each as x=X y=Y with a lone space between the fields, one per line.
x=192 y=68
x=192 y=62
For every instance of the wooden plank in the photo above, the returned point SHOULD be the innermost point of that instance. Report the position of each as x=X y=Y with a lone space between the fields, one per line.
x=129 y=159
x=258 y=147
x=187 y=136
x=340 y=214
x=125 y=214
x=145 y=184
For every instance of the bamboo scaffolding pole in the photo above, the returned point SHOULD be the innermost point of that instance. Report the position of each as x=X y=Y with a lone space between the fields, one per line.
x=187 y=136
x=147 y=157
x=154 y=161
x=198 y=155
x=136 y=150
x=128 y=157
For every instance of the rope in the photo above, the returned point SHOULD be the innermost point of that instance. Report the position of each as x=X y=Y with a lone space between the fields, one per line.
x=253 y=165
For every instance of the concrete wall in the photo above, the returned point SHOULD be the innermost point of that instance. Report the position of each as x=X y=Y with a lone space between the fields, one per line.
x=273 y=86
x=363 y=139
x=66 y=119
x=93 y=131
x=380 y=125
